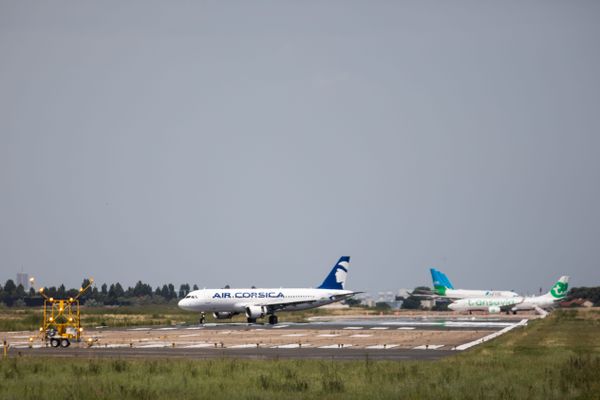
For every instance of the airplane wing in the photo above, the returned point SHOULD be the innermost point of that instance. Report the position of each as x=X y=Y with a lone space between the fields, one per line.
x=282 y=305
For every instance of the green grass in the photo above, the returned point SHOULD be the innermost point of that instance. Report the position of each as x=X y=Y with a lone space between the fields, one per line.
x=555 y=358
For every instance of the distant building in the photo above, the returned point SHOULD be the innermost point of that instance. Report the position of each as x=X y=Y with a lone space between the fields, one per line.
x=23 y=279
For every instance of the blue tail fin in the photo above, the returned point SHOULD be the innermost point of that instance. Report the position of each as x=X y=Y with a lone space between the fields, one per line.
x=337 y=277
x=440 y=281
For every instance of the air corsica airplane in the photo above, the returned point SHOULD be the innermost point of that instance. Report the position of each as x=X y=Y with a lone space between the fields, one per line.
x=256 y=303
x=514 y=304
x=443 y=287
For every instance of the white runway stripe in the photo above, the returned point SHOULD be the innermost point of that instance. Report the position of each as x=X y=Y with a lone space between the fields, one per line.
x=429 y=347
x=295 y=334
x=290 y=346
x=406 y=328
x=382 y=346
x=280 y=326
x=491 y=336
x=361 y=335
x=335 y=346
x=243 y=346
x=152 y=345
x=353 y=327
x=199 y=346
x=380 y=328
x=329 y=334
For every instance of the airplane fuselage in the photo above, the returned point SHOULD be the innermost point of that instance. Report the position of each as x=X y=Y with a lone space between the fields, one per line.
x=237 y=300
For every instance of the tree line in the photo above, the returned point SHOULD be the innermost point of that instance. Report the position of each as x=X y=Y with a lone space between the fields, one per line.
x=112 y=295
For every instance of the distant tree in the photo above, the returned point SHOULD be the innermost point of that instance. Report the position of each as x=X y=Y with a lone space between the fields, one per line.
x=104 y=289
x=195 y=287
x=142 y=289
x=588 y=293
x=352 y=302
x=61 y=292
x=165 y=292
x=20 y=292
x=10 y=287
x=172 y=293
x=184 y=289
x=411 y=303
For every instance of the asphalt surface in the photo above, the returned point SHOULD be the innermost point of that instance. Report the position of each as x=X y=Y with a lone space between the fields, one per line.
x=389 y=323
x=258 y=354
x=358 y=338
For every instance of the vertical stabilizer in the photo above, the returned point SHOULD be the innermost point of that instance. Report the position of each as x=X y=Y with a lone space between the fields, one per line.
x=337 y=277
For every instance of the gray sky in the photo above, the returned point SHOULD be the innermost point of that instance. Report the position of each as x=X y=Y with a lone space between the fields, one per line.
x=254 y=143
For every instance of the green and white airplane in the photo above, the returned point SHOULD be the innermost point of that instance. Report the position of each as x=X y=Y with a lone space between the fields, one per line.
x=513 y=304
x=442 y=287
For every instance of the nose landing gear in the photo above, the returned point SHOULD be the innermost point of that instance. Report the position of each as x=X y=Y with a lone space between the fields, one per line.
x=202 y=318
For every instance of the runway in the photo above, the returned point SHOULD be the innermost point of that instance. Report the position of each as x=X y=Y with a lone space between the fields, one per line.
x=391 y=338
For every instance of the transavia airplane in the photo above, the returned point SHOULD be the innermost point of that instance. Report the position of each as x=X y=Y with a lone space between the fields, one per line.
x=514 y=304
x=442 y=287
x=257 y=303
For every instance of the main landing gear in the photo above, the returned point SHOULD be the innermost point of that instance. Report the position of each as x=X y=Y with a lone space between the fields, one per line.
x=251 y=320
x=273 y=319
x=202 y=318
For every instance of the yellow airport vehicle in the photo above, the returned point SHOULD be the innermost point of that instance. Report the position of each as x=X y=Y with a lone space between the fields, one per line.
x=62 y=322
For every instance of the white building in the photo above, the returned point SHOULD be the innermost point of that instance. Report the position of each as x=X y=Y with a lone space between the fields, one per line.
x=23 y=279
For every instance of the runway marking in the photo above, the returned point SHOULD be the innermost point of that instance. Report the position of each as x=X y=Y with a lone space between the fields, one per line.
x=353 y=327
x=280 y=326
x=406 y=328
x=361 y=335
x=198 y=346
x=491 y=336
x=291 y=346
x=190 y=335
x=428 y=347
x=382 y=346
x=329 y=334
x=22 y=337
x=110 y=346
x=335 y=346
x=193 y=328
x=23 y=346
x=139 y=329
x=224 y=332
x=166 y=329
x=152 y=345
x=243 y=346
x=295 y=334
x=380 y=328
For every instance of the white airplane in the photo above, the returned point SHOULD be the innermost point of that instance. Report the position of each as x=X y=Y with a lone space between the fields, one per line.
x=442 y=287
x=514 y=304
x=257 y=303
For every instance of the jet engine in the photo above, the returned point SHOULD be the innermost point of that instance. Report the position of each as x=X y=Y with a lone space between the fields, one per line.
x=494 y=309
x=223 y=315
x=255 y=311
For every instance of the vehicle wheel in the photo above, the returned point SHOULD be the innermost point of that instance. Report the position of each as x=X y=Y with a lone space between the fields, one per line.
x=65 y=343
x=273 y=319
x=251 y=320
x=54 y=342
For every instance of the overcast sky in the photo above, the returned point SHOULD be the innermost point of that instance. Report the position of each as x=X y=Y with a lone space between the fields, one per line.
x=254 y=143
